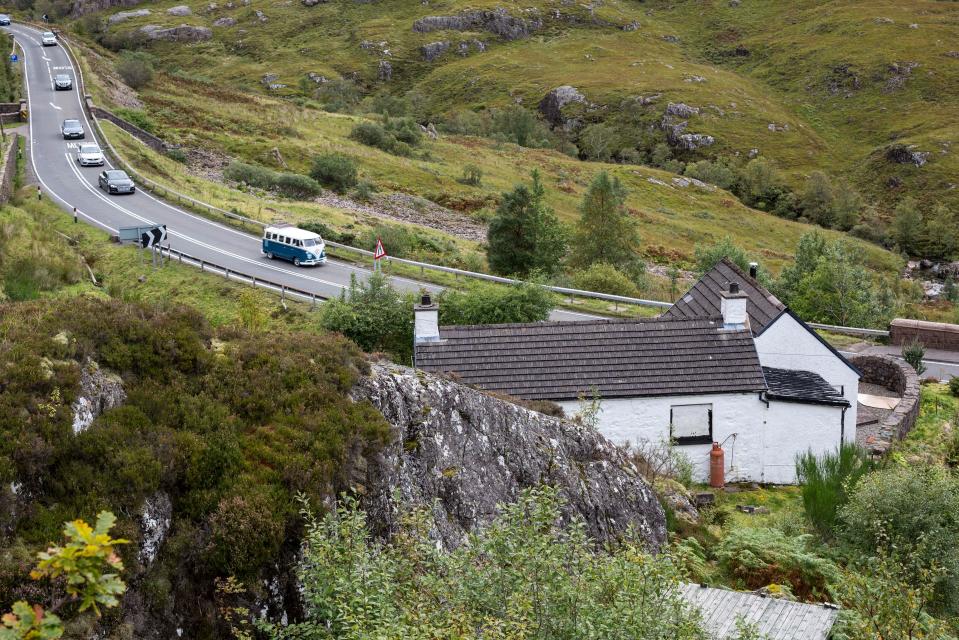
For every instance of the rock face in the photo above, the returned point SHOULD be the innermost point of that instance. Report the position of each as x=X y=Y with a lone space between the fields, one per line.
x=902 y=154
x=681 y=110
x=552 y=104
x=180 y=10
x=83 y=7
x=461 y=453
x=99 y=392
x=182 y=33
x=498 y=22
x=123 y=16
x=691 y=141
x=434 y=50
x=155 y=518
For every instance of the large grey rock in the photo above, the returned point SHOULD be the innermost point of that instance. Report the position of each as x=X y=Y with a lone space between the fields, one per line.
x=312 y=3
x=182 y=33
x=180 y=10
x=155 y=518
x=434 y=50
x=498 y=22
x=123 y=16
x=681 y=110
x=224 y=22
x=462 y=453
x=99 y=391
x=692 y=141
x=552 y=104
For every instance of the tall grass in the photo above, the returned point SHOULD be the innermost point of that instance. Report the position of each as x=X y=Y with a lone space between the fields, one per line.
x=828 y=480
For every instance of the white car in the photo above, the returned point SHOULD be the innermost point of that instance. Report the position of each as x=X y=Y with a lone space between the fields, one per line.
x=49 y=39
x=90 y=155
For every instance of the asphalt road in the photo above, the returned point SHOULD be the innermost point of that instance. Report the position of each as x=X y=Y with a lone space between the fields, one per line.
x=53 y=161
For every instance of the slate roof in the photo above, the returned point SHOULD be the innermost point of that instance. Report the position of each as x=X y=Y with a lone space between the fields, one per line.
x=703 y=299
x=801 y=386
x=620 y=358
x=776 y=619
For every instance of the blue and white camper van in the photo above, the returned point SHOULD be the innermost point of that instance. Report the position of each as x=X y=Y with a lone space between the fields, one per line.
x=299 y=246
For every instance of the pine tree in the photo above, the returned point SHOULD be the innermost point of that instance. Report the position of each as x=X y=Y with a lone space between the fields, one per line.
x=525 y=236
x=605 y=231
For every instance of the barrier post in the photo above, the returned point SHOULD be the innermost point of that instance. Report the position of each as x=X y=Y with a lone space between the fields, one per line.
x=74 y=215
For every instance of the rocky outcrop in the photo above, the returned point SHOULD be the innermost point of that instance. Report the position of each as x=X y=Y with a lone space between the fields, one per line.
x=123 y=16
x=224 y=22
x=182 y=33
x=384 y=71
x=693 y=141
x=180 y=10
x=83 y=7
x=498 y=22
x=312 y=3
x=903 y=154
x=99 y=391
x=155 y=518
x=553 y=103
x=681 y=110
x=434 y=50
x=462 y=453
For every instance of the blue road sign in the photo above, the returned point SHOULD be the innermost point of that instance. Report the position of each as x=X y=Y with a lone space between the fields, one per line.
x=14 y=57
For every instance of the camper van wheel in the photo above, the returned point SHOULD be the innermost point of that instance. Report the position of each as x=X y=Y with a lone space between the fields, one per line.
x=269 y=255
x=296 y=262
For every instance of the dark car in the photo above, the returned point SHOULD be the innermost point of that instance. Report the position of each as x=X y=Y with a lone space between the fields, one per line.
x=72 y=129
x=116 y=181
x=4 y=20
x=62 y=82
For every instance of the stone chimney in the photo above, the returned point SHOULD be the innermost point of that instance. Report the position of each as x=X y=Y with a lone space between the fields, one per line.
x=733 y=307
x=426 y=327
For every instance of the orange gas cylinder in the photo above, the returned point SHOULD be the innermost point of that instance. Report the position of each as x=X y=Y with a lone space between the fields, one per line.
x=717 y=467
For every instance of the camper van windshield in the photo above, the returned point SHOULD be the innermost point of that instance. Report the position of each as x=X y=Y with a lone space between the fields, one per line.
x=310 y=242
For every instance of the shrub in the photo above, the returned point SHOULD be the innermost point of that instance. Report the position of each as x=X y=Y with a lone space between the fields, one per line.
x=758 y=557
x=294 y=185
x=136 y=69
x=244 y=535
x=827 y=481
x=252 y=175
x=334 y=170
x=472 y=175
x=914 y=353
x=527 y=575
x=364 y=191
x=177 y=154
x=397 y=136
x=911 y=510
x=374 y=316
x=605 y=278
x=954 y=386
x=338 y=95
x=493 y=304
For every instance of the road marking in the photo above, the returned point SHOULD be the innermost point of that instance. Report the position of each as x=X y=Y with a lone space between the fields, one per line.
x=73 y=145
x=55 y=107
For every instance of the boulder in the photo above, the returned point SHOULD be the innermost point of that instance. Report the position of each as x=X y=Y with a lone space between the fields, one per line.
x=312 y=3
x=553 y=103
x=460 y=454
x=155 y=518
x=681 y=110
x=224 y=22
x=123 y=16
x=498 y=22
x=902 y=154
x=384 y=71
x=631 y=26
x=99 y=392
x=180 y=10
x=182 y=33
x=691 y=141
x=434 y=50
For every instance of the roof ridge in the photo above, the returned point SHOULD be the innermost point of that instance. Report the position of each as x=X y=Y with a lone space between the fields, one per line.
x=588 y=323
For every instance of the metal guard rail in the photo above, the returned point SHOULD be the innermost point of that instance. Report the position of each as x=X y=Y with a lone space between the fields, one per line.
x=166 y=191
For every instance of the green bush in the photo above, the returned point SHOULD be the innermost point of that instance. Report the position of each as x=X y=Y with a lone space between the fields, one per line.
x=397 y=136
x=294 y=185
x=496 y=304
x=914 y=353
x=291 y=185
x=364 y=191
x=135 y=68
x=605 y=278
x=334 y=170
x=757 y=557
x=252 y=175
x=139 y=118
x=954 y=386
x=472 y=175
x=827 y=480
x=175 y=153
x=526 y=576
x=911 y=510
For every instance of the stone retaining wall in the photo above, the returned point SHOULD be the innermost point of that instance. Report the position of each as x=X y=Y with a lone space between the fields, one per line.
x=147 y=138
x=933 y=335
x=900 y=377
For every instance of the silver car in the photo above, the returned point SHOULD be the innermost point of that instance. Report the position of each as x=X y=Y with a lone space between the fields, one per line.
x=62 y=82
x=48 y=38
x=90 y=155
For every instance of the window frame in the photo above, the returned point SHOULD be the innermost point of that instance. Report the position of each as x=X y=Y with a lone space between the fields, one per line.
x=690 y=440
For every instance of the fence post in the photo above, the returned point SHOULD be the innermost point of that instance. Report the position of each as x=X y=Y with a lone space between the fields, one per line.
x=254 y=281
x=282 y=292
x=313 y=301
x=201 y=265
x=226 y=273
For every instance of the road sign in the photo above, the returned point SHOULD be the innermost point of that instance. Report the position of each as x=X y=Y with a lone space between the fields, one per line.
x=379 y=251
x=146 y=237
x=14 y=57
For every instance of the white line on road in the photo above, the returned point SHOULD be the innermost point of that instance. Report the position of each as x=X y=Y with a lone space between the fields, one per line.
x=55 y=107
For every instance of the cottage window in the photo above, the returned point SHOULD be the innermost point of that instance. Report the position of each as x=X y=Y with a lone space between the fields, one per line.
x=691 y=423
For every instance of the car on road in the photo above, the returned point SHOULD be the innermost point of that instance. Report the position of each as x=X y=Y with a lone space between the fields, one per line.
x=116 y=181
x=62 y=82
x=4 y=20
x=72 y=129
x=90 y=155
x=48 y=39
x=299 y=246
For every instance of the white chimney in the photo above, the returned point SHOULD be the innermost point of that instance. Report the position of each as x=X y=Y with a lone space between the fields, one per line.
x=426 y=326
x=733 y=307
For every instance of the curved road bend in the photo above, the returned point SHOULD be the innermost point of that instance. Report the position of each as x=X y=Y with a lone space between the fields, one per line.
x=53 y=162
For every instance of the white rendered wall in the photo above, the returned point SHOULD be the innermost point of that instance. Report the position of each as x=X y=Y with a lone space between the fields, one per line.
x=633 y=420
x=760 y=443
x=786 y=344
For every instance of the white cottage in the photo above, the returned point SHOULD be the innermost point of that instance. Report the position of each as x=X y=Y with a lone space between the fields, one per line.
x=690 y=378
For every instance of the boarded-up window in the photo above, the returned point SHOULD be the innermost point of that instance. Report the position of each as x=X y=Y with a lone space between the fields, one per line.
x=691 y=423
